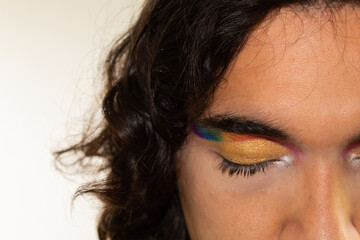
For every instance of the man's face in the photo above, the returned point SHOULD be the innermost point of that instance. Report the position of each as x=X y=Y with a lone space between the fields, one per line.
x=287 y=117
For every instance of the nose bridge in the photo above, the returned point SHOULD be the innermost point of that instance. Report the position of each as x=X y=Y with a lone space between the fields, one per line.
x=326 y=211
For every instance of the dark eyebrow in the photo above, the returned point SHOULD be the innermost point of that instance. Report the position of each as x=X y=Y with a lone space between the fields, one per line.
x=245 y=125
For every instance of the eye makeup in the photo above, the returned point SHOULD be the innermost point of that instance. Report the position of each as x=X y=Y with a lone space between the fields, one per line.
x=252 y=151
x=244 y=149
x=353 y=152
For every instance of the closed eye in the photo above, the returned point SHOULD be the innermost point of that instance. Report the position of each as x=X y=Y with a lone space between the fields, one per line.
x=245 y=170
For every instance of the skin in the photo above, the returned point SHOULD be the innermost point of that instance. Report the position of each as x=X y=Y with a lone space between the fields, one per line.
x=299 y=71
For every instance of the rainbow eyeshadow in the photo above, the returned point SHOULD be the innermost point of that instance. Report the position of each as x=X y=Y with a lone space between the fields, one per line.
x=217 y=136
x=244 y=149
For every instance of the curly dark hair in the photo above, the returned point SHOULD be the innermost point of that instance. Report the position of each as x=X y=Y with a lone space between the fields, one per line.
x=160 y=74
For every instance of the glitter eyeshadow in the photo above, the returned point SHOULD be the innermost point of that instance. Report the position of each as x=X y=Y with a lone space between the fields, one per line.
x=252 y=151
x=353 y=153
x=243 y=149
x=354 y=149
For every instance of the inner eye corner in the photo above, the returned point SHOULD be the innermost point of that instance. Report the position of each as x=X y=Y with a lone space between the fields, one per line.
x=354 y=157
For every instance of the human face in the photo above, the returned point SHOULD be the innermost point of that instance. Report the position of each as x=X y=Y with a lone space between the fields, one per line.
x=292 y=95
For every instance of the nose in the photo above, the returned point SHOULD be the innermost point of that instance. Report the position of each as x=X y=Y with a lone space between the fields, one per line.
x=325 y=211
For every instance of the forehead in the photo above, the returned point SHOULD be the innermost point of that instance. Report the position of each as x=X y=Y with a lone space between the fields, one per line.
x=298 y=68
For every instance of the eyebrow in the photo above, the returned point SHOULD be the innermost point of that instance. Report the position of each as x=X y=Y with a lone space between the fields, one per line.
x=244 y=125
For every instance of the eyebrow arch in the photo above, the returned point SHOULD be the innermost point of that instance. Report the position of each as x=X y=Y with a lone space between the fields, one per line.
x=244 y=125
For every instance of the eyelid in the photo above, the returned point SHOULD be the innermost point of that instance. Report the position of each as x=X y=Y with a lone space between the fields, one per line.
x=251 y=151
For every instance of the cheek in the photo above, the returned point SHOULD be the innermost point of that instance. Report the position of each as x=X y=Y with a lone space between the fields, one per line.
x=217 y=206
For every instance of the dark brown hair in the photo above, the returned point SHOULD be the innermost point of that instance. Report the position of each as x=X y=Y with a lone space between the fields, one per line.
x=162 y=72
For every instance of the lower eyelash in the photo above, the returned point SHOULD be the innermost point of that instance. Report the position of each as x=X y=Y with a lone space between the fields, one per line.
x=242 y=169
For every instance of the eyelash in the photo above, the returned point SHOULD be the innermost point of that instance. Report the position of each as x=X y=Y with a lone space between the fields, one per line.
x=241 y=169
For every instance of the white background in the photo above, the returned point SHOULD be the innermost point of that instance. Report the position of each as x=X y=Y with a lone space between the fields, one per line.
x=50 y=55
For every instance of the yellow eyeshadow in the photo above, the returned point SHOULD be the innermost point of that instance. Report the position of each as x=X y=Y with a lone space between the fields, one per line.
x=251 y=151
